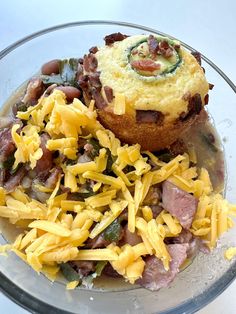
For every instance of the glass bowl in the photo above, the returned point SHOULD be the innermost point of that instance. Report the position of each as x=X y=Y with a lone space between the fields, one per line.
x=194 y=287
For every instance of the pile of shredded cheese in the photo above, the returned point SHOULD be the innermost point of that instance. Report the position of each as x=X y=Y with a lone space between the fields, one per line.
x=54 y=232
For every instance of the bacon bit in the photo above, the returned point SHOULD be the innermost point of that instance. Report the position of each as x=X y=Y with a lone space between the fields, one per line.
x=110 y=39
x=93 y=49
x=195 y=104
x=149 y=116
x=83 y=82
x=99 y=100
x=7 y=146
x=211 y=86
x=145 y=65
x=165 y=49
x=94 y=80
x=45 y=163
x=15 y=179
x=153 y=45
x=90 y=63
x=206 y=99
x=3 y=174
x=194 y=107
x=197 y=56
x=53 y=178
x=83 y=268
x=109 y=93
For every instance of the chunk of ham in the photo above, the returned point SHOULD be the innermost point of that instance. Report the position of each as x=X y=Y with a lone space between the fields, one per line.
x=12 y=183
x=149 y=116
x=179 y=203
x=132 y=238
x=110 y=271
x=83 y=268
x=155 y=276
x=97 y=242
x=53 y=178
x=194 y=243
x=7 y=146
x=45 y=163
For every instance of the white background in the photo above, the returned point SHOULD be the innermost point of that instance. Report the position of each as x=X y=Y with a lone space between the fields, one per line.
x=209 y=26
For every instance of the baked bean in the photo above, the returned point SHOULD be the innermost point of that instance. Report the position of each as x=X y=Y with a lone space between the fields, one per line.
x=70 y=92
x=51 y=67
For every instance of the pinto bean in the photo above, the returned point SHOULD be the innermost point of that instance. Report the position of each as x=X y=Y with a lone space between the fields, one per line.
x=51 y=67
x=70 y=92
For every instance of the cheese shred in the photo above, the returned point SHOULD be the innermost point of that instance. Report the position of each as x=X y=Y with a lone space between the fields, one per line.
x=101 y=184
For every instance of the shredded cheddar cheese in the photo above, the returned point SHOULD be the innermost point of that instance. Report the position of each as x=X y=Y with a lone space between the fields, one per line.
x=119 y=104
x=27 y=144
x=113 y=181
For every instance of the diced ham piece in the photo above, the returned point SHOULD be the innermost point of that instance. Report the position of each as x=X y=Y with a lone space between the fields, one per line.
x=7 y=145
x=149 y=116
x=195 y=243
x=179 y=203
x=84 y=268
x=130 y=237
x=97 y=242
x=156 y=210
x=99 y=100
x=15 y=179
x=109 y=93
x=186 y=237
x=165 y=49
x=155 y=276
x=53 y=178
x=94 y=80
x=6 y=122
x=45 y=163
x=3 y=173
x=110 y=271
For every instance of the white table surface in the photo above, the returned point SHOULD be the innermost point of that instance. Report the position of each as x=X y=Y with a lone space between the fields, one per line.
x=206 y=25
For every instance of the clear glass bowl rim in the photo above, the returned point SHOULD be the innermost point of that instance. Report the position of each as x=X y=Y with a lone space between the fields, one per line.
x=35 y=305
